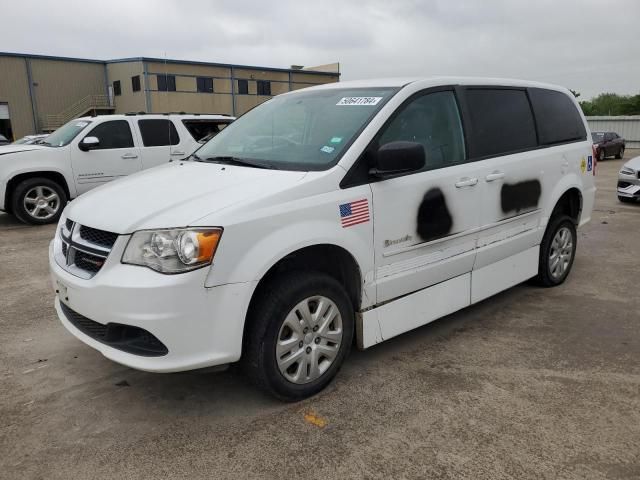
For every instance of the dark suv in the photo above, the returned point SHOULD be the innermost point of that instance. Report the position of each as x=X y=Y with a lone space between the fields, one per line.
x=606 y=144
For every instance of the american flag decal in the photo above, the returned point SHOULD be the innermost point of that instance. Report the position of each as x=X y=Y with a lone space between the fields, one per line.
x=353 y=213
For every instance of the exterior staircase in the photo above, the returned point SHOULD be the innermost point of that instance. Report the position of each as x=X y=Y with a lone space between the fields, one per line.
x=89 y=105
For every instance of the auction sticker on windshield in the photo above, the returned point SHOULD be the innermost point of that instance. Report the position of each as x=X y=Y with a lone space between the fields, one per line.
x=359 y=101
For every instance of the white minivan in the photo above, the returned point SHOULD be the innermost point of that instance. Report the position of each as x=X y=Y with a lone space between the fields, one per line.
x=36 y=181
x=344 y=213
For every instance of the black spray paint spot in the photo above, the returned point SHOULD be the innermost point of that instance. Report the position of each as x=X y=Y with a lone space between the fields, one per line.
x=520 y=195
x=434 y=219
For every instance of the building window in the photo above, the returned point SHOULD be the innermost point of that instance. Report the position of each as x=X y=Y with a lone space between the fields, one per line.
x=204 y=84
x=135 y=83
x=166 y=83
x=264 y=87
x=117 y=88
x=243 y=87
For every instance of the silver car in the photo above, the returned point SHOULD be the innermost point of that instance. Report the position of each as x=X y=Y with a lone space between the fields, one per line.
x=629 y=181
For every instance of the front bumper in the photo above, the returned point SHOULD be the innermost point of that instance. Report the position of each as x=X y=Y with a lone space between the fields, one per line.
x=629 y=186
x=199 y=326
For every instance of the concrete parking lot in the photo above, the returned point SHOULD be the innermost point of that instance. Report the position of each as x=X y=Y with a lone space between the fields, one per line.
x=533 y=383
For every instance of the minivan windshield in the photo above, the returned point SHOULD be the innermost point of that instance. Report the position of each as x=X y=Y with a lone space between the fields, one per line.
x=63 y=136
x=306 y=130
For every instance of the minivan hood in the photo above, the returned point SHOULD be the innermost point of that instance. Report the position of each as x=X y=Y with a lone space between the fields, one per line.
x=633 y=163
x=174 y=195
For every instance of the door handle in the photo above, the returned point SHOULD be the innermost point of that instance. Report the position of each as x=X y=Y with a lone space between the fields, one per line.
x=466 y=182
x=178 y=153
x=129 y=155
x=494 y=176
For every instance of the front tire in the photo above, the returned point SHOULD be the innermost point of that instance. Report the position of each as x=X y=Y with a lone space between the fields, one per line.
x=38 y=201
x=557 y=251
x=300 y=331
x=620 y=153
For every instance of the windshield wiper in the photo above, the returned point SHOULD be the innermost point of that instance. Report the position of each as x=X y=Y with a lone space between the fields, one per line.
x=237 y=161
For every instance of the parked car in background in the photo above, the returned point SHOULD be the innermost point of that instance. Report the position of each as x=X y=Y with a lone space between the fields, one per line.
x=629 y=181
x=347 y=211
x=30 y=139
x=3 y=140
x=607 y=144
x=36 y=181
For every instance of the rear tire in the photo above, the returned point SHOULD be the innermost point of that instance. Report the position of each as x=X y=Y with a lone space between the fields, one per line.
x=620 y=153
x=557 y=251
x=283 y=353
x=38 y=201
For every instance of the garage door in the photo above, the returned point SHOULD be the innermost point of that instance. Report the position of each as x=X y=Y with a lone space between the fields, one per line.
x=4 y=111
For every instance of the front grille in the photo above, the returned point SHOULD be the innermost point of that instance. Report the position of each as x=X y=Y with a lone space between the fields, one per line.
x=84 y=249
x=98 y=237
x=88 y=262
x=134 y=340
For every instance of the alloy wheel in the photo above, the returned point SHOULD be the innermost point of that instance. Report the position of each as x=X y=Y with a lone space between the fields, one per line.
x=309 y=340
x=560 y=253
x=41 y=202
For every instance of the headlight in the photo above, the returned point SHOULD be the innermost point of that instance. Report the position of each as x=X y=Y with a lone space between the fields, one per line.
x=627 y=171
x=172 y=251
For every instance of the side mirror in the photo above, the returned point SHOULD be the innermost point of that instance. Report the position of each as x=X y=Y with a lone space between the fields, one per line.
x=89 y=143
x=398 y=157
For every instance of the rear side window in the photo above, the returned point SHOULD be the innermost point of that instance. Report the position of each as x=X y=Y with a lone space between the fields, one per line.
x=500 y=120
x=557 y=117
x=158 y=133
x=113 y=134
x=202 y=128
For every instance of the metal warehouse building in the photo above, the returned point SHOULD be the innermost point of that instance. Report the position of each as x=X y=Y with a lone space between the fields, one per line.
x=40 y=93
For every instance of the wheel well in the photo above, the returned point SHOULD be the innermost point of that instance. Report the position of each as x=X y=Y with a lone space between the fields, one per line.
x=570 y=203
x=330 y=259
x=53 y=176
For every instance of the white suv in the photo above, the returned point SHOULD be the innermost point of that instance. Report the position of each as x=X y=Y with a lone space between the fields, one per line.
x=37 y=180
x=348 y=211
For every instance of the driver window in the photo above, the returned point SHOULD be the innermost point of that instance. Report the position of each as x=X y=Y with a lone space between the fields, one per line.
x=433 y=121
x=113 y=134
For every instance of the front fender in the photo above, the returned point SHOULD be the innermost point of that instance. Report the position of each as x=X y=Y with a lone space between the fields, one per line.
x=248 y=251
x=32 y=162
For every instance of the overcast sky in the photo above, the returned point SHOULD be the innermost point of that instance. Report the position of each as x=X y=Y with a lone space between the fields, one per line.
x=589 y=46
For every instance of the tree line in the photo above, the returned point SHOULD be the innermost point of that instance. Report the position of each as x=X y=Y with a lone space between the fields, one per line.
x=610 y=104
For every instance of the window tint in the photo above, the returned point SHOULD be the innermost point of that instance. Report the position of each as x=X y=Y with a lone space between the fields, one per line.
x=203 y=128
x=243 y=87
x=135 y=83
x=117 y=88
x=264 y=87
x=608 y=137
x=166 y=83
x=557 y=118
x=113 y=134
x=204 y=84
x=500 y=122
x=158 y=132
x=433 y=121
